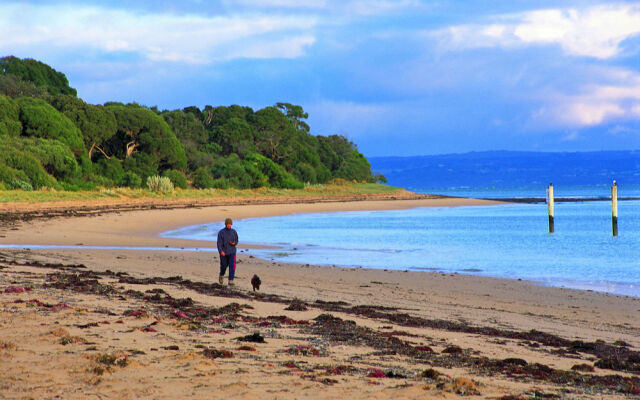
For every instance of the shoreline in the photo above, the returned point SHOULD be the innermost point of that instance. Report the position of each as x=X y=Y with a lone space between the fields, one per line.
x=414 y=334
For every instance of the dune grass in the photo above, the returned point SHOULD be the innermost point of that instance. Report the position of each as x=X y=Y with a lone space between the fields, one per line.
x=48 y=195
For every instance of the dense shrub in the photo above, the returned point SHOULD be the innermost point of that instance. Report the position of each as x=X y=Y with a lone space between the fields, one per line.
x=276 y=175
x=14 y=87
x=258 y=179
x=178 y=178
x=111 y=169
x=31 y=167
x=42 y=120
x=202 y=179
x=92 y=181
x=355 y=166
x=9 y=117
x=85 y=164
x=221 y=183
x=53 y=156
x=56 y=158
x=131 y=179
x=306 y=173
x=143 y=164
x=37 y=73
x=14 y=179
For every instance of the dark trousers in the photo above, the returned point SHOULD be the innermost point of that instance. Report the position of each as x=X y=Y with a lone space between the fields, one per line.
x=228 y=261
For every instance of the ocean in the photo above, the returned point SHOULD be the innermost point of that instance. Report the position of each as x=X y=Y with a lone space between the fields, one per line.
x=504 y=241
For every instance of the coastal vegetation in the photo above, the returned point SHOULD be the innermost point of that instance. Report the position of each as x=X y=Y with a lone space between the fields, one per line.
x=52 y=140
x=125 y=193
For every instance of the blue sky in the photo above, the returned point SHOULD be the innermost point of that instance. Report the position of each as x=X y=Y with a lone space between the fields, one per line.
x=398 y=77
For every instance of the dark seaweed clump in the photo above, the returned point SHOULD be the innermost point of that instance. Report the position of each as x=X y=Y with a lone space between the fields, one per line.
x=83 y=282
x=615 y=356
x=347 y=332
x=253 y=338
x=297 y=305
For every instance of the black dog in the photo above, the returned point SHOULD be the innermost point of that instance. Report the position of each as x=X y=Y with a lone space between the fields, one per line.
x=255 y=282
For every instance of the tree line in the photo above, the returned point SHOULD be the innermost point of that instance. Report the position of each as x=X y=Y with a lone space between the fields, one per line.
x=51 y=138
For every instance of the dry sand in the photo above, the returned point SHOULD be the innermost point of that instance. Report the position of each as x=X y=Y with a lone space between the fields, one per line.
x=95 y=332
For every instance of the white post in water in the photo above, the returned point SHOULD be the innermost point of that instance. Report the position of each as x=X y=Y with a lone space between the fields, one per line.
x=550 y=206
x=614 y=208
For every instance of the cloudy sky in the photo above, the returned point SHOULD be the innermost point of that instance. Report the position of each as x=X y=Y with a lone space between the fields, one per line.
x=398 y=77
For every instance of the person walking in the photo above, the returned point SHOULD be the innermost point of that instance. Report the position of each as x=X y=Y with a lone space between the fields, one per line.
x=227 y=242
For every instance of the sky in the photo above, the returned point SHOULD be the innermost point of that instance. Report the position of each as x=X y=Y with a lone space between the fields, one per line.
x=397 y=77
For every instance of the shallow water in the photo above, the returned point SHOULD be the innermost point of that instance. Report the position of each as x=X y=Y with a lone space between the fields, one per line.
x=509 y=241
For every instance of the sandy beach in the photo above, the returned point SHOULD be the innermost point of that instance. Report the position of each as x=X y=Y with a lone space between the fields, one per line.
x=119 y=324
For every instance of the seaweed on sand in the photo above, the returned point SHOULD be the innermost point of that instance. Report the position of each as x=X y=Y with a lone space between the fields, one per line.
x=297 y=305
x=253 y=338
x=348 y=332
x=216 y=353
x=83 y=282
x=611 y=356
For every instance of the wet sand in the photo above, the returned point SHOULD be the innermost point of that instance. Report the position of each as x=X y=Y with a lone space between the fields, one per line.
x=123 y=325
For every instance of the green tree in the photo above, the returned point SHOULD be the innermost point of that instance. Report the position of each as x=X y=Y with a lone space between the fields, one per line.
x=234 y=136
x=14 y=87
x=295 y=114
x=276 y=175
x=54 y=156
x=355 y=166
x=9 y=117
x=40 y=119
x=22 y=155
x=39 y=74
x=191 y=133
x=343 y=158
x=273 y=133
x=216 y=116
x=97 y=123
x=140 y=130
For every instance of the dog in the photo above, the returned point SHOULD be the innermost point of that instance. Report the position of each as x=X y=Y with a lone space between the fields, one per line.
x=255 y=282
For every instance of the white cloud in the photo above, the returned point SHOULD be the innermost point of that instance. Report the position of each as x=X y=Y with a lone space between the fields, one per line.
x=592 y=32
x=618 y=99
x=161 y=37
x=589 y=112
x=343 y=8
x=291 y=47
x=375 y=7
x=304 y=4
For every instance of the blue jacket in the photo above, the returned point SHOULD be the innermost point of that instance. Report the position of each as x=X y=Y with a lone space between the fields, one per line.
x=224 y=237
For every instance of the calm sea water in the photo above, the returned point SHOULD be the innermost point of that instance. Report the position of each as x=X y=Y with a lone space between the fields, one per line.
x=509 y=241
x=533 y=191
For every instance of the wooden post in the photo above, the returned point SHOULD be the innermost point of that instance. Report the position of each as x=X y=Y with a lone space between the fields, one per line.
x=550 y=206
x=614 y=208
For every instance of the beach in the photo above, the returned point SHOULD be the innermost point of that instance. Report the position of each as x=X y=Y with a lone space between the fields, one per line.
x=141 y=323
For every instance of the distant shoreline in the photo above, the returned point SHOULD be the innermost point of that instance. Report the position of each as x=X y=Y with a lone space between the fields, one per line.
x=12 y=212
x=557 y=199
